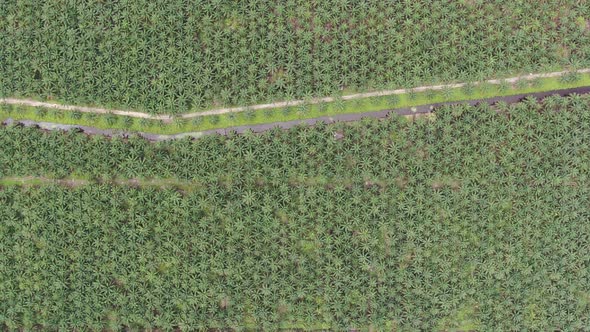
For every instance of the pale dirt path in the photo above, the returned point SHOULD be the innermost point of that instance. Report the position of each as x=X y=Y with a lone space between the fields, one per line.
x=84 y=109
x=219 y=111
x=411 y=112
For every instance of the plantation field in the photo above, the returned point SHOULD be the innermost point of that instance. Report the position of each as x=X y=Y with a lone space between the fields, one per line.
x=186 y=56
x=473 y=219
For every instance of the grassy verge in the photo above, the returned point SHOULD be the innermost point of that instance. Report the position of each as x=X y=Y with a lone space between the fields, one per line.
x=179 y=125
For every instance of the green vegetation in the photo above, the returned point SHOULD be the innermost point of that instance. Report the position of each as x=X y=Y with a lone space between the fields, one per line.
x=180 y=55
x=179 y=125
x=473 y=219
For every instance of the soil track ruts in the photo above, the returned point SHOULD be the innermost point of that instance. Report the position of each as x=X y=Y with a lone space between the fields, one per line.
x=419 y=110
x=164 y=117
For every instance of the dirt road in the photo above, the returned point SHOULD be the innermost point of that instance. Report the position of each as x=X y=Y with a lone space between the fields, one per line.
x=424 y=109
x=98 y=110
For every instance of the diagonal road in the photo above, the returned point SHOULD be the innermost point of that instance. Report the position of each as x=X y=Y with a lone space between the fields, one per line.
x=219 y=111
x=419 y=110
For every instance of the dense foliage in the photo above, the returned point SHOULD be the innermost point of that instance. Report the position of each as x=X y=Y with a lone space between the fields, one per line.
x=178 y=55
x=369 y=150
x=474 y=220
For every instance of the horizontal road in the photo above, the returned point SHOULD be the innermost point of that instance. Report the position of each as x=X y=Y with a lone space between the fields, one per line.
x=98 y=110
x=424 y=109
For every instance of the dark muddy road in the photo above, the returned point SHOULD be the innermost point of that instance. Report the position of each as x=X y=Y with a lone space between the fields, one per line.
x=424 y=109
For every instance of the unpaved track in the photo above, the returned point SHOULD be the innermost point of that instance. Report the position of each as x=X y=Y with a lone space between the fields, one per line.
x=410 y=112
x=98 y=110
x=76 y=182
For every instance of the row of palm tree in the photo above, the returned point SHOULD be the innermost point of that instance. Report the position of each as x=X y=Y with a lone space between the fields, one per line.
x=490 y=254
x=484 y=139
x=474 y=219
x=180 y=56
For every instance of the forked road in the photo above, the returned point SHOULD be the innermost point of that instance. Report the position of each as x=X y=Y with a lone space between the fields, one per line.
x=98 y=110
x=424 y=109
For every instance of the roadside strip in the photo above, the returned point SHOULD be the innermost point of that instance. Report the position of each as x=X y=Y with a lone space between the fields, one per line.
x=408 y=111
